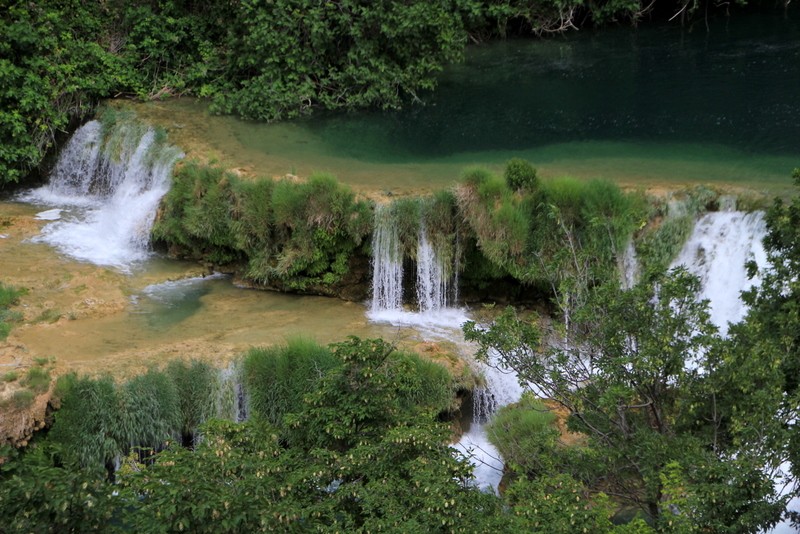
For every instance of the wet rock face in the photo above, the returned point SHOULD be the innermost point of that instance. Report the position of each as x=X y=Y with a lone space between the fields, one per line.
x=20 y=420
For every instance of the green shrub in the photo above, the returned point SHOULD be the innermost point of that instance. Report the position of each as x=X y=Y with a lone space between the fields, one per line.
x=475 y=176
x=196 y=215
x=525 y=434
x=520 y=175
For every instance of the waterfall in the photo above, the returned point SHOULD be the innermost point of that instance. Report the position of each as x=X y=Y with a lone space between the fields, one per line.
x=387 y=263
x=502 y=388
x=432 y=281
x=716 y=252
x=484 y=405
x=108 y=183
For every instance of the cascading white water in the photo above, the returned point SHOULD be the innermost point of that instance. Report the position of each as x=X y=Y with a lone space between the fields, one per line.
x=432 y=280
x=629 y=267
x=108 y=186
x=387 y=263
x=433 y=283
x=502 y=388
x=716 y=252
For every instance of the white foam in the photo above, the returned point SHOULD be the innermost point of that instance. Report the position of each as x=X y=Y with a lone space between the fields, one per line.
x=49 y=215
x=716 y=252
x=112 y=200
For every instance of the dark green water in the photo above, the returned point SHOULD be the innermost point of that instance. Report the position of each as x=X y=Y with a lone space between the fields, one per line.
x=653 y=105
x=735 y=85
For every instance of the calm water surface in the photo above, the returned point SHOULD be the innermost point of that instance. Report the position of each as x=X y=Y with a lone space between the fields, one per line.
x=653 y=104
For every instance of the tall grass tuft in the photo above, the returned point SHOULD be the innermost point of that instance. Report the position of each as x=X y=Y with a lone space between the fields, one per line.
x=197 y=385
x=277 y=378
x=88 y=424
x=150 y=411
x=9 y=296
x=37 y=380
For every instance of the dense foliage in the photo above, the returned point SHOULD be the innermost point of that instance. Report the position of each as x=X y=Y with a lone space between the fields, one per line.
x=254 y=58
x=557 y=237
x=360 y=450
x=563 y=235
x=663 y=425
x=690 y=428
x=294 y=235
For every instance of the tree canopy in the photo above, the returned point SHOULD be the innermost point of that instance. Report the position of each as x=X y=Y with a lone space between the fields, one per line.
x=253 y=58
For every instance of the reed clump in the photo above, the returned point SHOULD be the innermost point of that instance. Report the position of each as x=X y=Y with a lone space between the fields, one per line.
x=101 y=420
x=277 y=378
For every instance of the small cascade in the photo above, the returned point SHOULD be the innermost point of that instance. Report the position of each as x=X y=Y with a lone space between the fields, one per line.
x=716 y=252
x=484 y=405
x=629 y=267
x=432 y=280
x=108 y=184
x=387 y=263
x=502 y=388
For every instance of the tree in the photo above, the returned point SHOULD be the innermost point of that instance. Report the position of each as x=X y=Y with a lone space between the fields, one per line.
x=770 y=332
x=362 y=452
x=647 y=380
